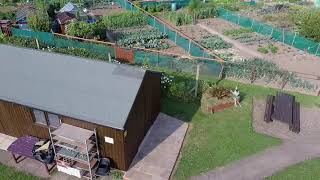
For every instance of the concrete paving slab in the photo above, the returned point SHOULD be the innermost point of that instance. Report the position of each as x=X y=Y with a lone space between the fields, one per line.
x=159 y=150
x=6 y=141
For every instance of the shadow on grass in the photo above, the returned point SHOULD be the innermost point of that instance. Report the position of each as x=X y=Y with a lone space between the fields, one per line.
x=180 y=110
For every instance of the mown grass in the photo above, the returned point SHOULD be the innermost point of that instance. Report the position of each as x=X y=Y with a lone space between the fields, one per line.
x=9 y=173
x=308 y=170
x=218 y=139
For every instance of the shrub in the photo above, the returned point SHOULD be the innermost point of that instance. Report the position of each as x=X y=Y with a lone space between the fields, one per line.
x=39 y=21
x=308 y=22
x=80 y=29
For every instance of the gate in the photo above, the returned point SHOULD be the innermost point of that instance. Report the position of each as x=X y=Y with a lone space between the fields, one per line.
x=125 y=55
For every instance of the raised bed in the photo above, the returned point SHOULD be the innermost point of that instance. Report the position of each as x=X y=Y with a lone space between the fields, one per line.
x=216 y=99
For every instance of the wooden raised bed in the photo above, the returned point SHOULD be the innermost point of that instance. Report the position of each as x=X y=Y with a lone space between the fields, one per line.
x=212 y=104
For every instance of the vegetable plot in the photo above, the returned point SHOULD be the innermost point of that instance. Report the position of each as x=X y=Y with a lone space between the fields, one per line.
x=215 y=43
x=143 y=38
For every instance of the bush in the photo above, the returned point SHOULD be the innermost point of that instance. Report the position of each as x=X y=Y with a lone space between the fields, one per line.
x=180 y=87
x=308 y=22
x=39 y=21
x=124 y=20
x=8 y=15
x=80 y=29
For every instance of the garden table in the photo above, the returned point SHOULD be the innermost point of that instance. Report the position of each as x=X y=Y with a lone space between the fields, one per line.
x=23 y=148
x=283 y=108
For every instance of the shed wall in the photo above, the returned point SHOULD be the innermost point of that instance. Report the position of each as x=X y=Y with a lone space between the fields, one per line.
x=142 y=115
x=114 y=151
x=17 y=120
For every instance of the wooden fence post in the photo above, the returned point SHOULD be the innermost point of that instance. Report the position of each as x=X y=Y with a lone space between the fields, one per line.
x=285 y=81
x=221 y=71
x=109 y=57
x=37 y=42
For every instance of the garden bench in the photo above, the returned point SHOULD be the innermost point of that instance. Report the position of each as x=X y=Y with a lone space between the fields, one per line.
x=283 y=108
x=296 y=118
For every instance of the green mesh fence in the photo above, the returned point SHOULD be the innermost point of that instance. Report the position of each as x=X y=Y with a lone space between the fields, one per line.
x=50 y=40
x=289 y=38
x=211 y=67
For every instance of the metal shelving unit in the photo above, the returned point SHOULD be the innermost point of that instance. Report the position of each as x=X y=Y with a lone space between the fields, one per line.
x=76 y=150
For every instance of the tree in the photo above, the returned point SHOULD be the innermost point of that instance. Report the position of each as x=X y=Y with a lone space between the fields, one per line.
x=39 y=21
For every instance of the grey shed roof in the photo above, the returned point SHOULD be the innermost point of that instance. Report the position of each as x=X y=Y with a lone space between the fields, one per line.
x=97 y=92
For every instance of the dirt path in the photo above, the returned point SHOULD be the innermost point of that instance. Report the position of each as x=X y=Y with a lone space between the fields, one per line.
x=245 y=51
x=296 y=148
x=288 y=58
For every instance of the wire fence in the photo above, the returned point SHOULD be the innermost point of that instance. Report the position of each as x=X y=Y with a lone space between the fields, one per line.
x=281 y=35
x=208 y=68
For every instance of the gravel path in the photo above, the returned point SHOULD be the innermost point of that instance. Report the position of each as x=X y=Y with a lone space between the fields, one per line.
x=295 y=148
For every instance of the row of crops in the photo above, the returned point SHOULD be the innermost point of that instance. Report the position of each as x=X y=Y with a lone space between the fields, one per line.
x=143 y=38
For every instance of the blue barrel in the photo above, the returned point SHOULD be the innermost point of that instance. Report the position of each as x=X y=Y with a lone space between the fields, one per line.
x=173 y=6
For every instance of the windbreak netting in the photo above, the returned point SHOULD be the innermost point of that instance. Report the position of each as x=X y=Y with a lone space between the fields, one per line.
x=50 y=40
x=289 y=38
x=207 y=67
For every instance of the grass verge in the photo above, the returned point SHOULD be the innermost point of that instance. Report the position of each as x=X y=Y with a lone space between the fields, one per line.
x=218 y=139
x=9 y=173
x=307 y=170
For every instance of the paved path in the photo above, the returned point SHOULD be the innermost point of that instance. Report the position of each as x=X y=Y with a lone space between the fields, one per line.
x=264 y=164
x=295 y=148
x=159 y=150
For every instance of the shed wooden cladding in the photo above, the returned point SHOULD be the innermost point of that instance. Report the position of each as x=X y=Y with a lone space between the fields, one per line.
x=17 y=121
x=121 y=102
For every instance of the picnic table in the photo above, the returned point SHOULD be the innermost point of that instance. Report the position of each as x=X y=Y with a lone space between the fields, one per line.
x=283 y=108
x=22 y=147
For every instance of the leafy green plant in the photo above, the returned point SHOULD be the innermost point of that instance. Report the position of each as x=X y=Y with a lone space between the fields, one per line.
x=237 y=32
x=266 y=71
x=142 y=38
x=274 y=49
x=80 y=29
x=116 y=174
x=263 y=50
x=307 y=21
x=39 y=21
x=215 y=42
x=124 y=20
x=179 y=18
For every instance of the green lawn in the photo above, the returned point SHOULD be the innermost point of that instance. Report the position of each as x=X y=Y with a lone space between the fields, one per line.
x=308 y=170
x=216 y=140
x=8 y=173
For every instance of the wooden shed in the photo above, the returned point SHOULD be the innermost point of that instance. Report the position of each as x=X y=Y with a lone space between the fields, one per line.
x=41 y=90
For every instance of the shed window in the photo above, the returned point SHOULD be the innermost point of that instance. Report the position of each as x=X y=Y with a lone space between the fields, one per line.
x=53 y=120
x=39 y=117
